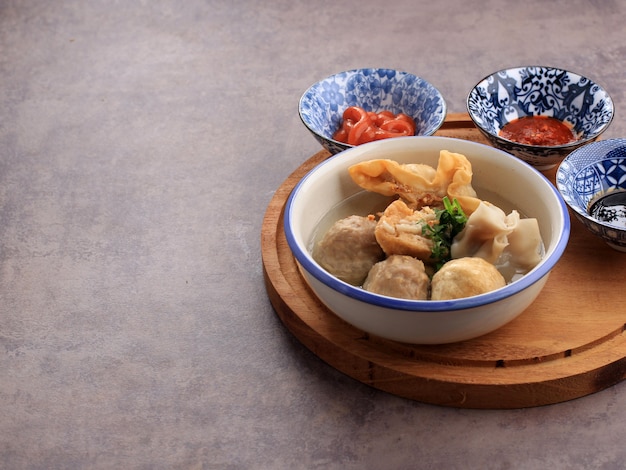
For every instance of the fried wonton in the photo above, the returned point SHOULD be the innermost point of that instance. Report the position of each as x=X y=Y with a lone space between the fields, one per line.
x=399 y=231
x=420 y=185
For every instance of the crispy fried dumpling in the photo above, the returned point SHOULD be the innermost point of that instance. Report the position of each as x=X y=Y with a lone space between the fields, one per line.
x=399 y=231
x=399 y=276
x=348 y=250
x=420 y=185
x=465 y=277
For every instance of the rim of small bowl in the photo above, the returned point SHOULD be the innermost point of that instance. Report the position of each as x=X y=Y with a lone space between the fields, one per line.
x=536 y=274
x=444 y=105
x=329 y=139
x=576 y=143
x=560 y=173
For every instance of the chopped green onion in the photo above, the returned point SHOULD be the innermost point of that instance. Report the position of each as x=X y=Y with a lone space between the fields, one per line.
x=450 y=222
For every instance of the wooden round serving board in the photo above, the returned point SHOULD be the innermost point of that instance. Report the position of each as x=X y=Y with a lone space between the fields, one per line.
x=569 y=343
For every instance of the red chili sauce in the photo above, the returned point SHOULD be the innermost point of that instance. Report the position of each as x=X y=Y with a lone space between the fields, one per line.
x=538 y=130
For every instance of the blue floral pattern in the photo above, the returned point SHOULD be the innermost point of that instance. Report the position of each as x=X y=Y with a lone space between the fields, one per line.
x=540 y=91
x=588 y=173
x=322 y=105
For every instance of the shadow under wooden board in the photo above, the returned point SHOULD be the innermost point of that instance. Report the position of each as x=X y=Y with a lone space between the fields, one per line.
x=569 y=343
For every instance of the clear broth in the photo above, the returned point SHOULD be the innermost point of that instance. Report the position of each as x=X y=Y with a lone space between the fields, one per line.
x=364 y=203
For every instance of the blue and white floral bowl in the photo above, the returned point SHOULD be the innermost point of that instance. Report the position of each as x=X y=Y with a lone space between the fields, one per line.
x=517 y=92
x=589 y=173
x=321 y=107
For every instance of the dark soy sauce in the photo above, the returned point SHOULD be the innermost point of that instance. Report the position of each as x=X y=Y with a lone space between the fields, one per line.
x=610 y=208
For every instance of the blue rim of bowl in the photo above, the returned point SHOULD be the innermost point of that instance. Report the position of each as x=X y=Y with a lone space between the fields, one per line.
x=576 y=143
x=559 y=172
x=444 y=105
x=535 y=275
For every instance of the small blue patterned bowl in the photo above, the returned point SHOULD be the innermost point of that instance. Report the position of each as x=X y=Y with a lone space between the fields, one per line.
x=587 y=174
x=321 y=107
x=513 y=93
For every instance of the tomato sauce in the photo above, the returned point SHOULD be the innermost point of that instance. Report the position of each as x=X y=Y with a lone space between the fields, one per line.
x=538 y=130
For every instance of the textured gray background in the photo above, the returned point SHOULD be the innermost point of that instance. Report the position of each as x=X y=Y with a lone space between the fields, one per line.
x=140 y=143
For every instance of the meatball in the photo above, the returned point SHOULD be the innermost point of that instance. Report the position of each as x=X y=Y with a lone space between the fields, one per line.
x=349 y=249
x=465 y=277
x=399 y=276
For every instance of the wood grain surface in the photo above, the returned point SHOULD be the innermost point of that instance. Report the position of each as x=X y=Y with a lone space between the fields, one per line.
x=569 y=343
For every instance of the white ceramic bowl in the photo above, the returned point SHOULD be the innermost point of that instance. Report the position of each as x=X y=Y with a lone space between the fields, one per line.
x=427 y=322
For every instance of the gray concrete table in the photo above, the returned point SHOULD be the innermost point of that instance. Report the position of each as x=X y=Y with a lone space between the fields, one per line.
x=140 y=143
